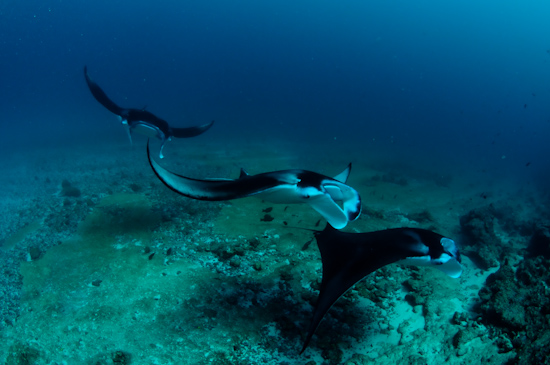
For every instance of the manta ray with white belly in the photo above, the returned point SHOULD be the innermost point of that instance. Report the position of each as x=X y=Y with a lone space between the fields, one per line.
x=287 y=187
x=142 y=121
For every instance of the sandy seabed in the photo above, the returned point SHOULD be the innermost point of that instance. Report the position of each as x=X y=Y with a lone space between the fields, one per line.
x=102 y=264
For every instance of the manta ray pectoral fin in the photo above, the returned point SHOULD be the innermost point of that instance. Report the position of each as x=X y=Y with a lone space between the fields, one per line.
x=328 y=208
x=343 y=176
x=210 y=189
x=191 y=131
x=100 y=95
x=191 y=188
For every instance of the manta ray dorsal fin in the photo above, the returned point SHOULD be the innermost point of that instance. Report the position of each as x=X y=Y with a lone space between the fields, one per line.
x=343 y=176
x=243 y=173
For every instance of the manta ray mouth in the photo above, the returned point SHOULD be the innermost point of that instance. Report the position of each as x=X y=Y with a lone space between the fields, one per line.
x=147 y=130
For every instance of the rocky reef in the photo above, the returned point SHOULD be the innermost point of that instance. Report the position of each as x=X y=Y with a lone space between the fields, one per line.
x=515 y=300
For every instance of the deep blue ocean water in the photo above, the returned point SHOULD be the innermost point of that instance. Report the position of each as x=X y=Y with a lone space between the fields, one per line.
x=434 y=88
x=465 y=82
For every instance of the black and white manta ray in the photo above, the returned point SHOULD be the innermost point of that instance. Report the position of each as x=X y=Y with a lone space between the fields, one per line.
x=349 y=257
x=142 y=121
x=286 y=186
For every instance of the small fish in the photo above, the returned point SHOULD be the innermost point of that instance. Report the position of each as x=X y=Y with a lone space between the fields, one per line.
x=306 y=245
x=267 y=218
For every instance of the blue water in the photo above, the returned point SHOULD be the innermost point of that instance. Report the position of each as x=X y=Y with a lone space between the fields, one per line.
x=463 y=82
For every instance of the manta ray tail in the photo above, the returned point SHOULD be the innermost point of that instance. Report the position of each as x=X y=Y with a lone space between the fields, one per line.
x=191 y=131
x=100 y=95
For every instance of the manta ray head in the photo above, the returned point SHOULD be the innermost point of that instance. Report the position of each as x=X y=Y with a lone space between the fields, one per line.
x=449 y=261
x=147 y=129
x=443 y=256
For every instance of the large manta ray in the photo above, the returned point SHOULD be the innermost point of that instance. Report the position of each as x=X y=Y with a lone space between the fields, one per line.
x=349 y=257
x=286 y=186
x=142 y=121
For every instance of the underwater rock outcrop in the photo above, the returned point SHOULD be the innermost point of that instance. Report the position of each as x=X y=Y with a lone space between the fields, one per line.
x=502 y=300
x=69 y=190
x=482 y=245
x=539 y=245
x=513 y=301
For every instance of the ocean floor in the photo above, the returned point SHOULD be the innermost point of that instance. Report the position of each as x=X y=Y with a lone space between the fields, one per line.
x=102 y=264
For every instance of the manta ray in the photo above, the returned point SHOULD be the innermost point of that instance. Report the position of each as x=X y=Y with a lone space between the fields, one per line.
x=287 y=187
x=142 y=121
x=349 y=257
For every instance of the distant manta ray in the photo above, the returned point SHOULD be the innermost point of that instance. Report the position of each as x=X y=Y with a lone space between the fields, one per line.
x=287 y=187
x=349 y=257
x=142 y=121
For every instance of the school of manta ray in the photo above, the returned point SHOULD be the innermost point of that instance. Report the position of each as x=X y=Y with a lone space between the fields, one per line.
x=346 y=257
